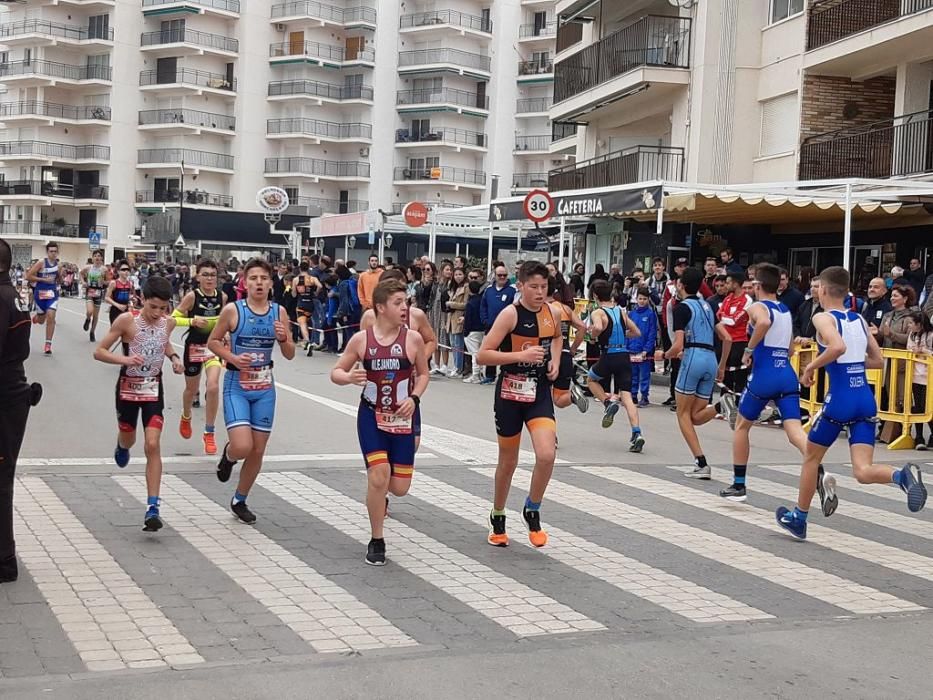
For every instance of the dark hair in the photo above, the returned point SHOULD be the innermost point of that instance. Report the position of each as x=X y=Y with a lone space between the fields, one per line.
x=98 y=251
x=386 y=289
x=926 y=325
x=719 y=278
x=908 y=292
x=530 y=269
x=205 y=262
x=393 y=274
x=257 y=262
x=343 y=272
x=157 y=288
x=735 y=277
x=6 y=256
x=315 y=259
x=600 y=290
x=556 y=285
x=303 y=266
x=769 y=277
x=373 y=255
x=728 y=250
x=691 y=279
x=835 y=280
x=643 y=292
x=50 y=244
x=657 y=260
x=712 y=259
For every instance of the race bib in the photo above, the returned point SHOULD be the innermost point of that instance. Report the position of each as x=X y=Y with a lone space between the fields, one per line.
x=93 y=293
x=46 y=294
x=199 y=353
x=256 y=379
x=392 y=423
x=519 y=387
x=139 y=389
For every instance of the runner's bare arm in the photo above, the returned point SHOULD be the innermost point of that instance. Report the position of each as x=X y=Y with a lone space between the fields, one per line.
x=346 y=371
x=631 y=329
x=759 y=317
x=32 y=274
x=177 y=366
x=284 y=338
x=119 y=330
x=422 y=371
x=580 y=336
x=369 y=319
x=419 y=321
x=226 y=322
x=873 y=357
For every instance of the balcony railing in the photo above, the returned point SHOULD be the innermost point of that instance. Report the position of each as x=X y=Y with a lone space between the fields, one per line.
x=532 y=143
x=831 y=22
x=316 y=206
x=326 y=52
x=226 y=5
x=49 y=228
x=527 y=31
x=192 y=197
x=568 y=34
x=53 y=29
x=529 y=105
x=650 y=41
x=890 y=148
x=53 y=110
x=563 y=130
x=539 y=67
x=636 y=164
x=54 y=70
x=442 y=172
x=447 y=134
x=462 y=59
x=53 y=189
x=190 y=36
x=315 y=88
x=398 y=207
x=527 y=181
x=451 y=17
x=187 y=76
x=188 y=156
x=187 y=117
x=46 y=149
x=442 y=95
x=319 y=128
x=310 y=8
x=317 y=167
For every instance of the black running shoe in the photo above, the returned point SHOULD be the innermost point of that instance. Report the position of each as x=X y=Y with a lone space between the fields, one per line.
x=376 y=553
x=9 y=570
x=826 y=487
x=669 y=402
x=196 y=403
x=736 y=493
x=637 y=444
x=497 y=536
x=242 y=511
x=225 y=466
x=912 y=485
x=87 y=324
x=93 y=337
x=152 y=523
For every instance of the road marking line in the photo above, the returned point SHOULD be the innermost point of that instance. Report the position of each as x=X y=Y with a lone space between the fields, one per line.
x=322 y=613
x=96 y=602
x=888 y=492
x=507 y=602
x=193 y=459
x=678 y=595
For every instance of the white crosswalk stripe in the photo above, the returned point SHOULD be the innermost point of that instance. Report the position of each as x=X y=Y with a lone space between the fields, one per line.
x=630 y=575
x=887 y=492
x=317 y=610
x=790 y=574
x=509 y=603
x=110 y=621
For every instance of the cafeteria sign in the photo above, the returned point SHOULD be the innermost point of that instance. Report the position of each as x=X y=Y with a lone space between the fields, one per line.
x=581 y=205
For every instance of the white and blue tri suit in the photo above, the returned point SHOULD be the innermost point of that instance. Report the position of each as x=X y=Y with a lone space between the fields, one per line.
x=850 y=402
x=46 y=292
x=614 y=366
x=772 y=377
x=249 y=395
x=698 y=367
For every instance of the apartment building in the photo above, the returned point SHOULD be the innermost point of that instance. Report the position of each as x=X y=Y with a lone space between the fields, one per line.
x=137 y=120
x=745 y=91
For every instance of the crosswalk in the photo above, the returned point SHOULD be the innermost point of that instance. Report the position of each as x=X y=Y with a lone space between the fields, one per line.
x=629 y=547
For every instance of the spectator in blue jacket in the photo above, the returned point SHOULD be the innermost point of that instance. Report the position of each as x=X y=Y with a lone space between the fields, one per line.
x=646 y=318
x=497 y=296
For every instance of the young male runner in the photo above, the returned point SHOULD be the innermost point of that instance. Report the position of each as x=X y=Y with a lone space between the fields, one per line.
x=120 y=291
x=565 y=390
x=525 y=343
x=394 y=377
x=611 y=327
x=305 y=288
x=198 y=311
x=255 y=325
x=45 y=275
x=95 y=277
x=847 y=349
x=147 y=342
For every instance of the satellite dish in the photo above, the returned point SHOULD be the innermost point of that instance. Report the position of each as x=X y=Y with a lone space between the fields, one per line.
x=685 y=4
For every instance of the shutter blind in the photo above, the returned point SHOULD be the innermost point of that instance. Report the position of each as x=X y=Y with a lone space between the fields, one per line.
x=779 y=122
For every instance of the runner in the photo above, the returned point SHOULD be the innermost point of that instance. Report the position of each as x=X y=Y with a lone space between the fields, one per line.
x=139 y=387
x=394 y=377
x=305 y=288
x=198 y=311
x=95 y=277
x=565 y=390
x=45 y=275
x=255 y=325
x=525 y=342
x=611 y=326
x=120 y=291
x=847 y=349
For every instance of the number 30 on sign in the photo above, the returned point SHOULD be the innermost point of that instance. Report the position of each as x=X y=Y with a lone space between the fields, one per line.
x=538 y=206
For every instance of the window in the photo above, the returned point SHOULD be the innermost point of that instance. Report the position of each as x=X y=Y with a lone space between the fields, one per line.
x=782 y=9
x=779 y=125
x=420 y=128
x=292 y=192
x=98 y=27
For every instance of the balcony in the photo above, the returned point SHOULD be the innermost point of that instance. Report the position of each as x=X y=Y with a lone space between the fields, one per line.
x=440 y=21
x=317 y=131
x=49 y=192
x=531 y=33
x=540 y=71
x=898 y=147
x=317 y=206
x=322 y=55
x=183 y=81
x=445 y=60
x=175 y=158
x=398 y=207
x=326 y=15
x=47 y=152
x=221 y=8
x=563 y=138
x=186 y=121
x=829 y=23
x=50 y=113
x=49 y=229
x=533 y=107
x=626 y=167
x=42 y=32
x=522 y=182
x=193 y=198
x=51 y=74
x=441 y=175
x=317 y=169
x=458 y=139
x=532 y=145
x=187 y=42
x=319 y=92
x=442 y=99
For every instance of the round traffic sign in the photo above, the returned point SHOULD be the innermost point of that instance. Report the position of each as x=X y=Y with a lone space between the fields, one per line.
x=416 y=214
x=538 y=206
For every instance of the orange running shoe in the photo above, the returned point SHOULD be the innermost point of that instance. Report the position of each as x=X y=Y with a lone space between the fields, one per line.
x=184 y=427
x=210 y=447
x=497 y=535
x=536 y=535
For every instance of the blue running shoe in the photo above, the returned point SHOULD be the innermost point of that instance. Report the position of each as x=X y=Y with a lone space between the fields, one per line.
x=786 y=519
x=121 y=455
x=611 y=409
x=152 y=522
x=912 y=485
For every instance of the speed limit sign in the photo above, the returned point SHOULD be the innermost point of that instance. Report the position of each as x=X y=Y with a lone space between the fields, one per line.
x=538 y=206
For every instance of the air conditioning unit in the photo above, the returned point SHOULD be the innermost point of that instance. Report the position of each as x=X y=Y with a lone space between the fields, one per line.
x=558 y=161
x=364 y=152
x=280 y=27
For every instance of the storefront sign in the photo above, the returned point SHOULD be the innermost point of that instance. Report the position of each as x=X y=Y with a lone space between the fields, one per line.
x=584 y=205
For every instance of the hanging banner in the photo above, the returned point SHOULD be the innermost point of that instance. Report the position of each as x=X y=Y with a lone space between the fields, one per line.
x=585 y=205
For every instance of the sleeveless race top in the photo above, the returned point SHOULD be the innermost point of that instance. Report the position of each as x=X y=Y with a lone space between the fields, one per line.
x=205 y=307
x=255 y=333
x=847 y=373
x=532 y=328
x=388 y=372
x=122 y=291
x=149 y=343
x=96 y=277
x=612 y=340
x=772 y=351
x=699 y=331
x=47 y=286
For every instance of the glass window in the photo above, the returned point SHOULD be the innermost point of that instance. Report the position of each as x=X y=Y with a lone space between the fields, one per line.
x=782 y=9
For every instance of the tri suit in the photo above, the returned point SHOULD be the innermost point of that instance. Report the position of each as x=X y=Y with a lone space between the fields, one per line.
x=122 y=294
x=196 y=355
x=46 y=290
x=772 y=378
x=96 y=285
x=698 y=367
x=139 y=388
x=249 y=394
x=614 y=365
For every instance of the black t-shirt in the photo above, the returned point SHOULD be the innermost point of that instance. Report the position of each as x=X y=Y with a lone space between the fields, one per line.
x=682 y=316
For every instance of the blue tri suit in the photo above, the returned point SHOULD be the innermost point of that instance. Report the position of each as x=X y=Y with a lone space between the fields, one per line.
x=698 y=368
x=772 y=377
x=46 y=291
x=255 y=334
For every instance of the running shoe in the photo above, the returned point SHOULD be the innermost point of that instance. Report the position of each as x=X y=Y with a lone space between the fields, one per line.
x=497 y=535
x=826 y=487
x=376 y=552
x=669 y=402
x=453 y=372
x=152 y=522
x=309 y=350
x=638 y=443
x=699 y=473
x=736 y=493
x=578 y=398
x=912 y=485
x=225 y=466
x=921 y=446
x=93 y=337
x=612 y=407
x=729 y=408
x=487 y=380
x=644 y=403
x=184 y=427
x=536 y=535
x=121 y=455
x=785 y=518
x=470 y=379
x=197 y=401
x=48 y=348
x=210 y=445
x=9 y=569
x=242 y=511
x=87 y=324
